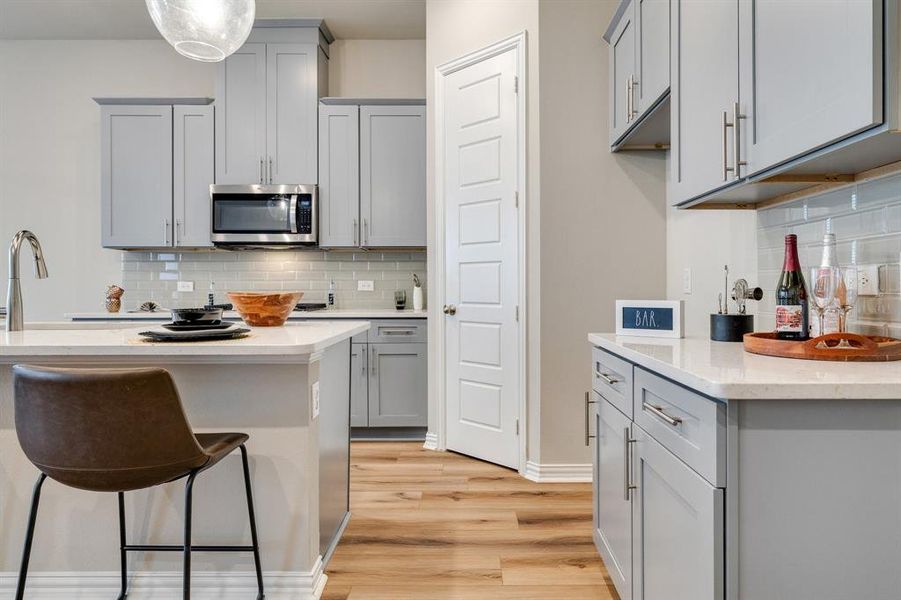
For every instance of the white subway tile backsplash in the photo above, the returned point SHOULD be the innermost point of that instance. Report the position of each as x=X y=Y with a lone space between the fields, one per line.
x=153 y=276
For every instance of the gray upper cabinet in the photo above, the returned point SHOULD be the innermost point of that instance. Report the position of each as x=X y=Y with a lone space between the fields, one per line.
x=703 y=97
x=136 y=176
x=193 y=173
x=814 y=71
x=339 y=176
x=622 y=74
x=392 y=176
x=652 y=18
x=291 y=116
x=267 y=96
x=241 y=116
x=397 y=385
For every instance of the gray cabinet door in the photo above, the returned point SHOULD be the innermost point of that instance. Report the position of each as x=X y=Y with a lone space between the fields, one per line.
x=359 y=385
x=811 y=74
x=397 y=385
x=622 y=73
x=678 y=531
x=705 y=56
x=292 y=104
x=241 y=116
x=652 y=52
x=339 y=176
x=192 y=174
x=136 y=176
x=612 y=505
x=392 y=176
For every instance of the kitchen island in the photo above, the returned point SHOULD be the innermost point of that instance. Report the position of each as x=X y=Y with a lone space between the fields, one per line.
x=726 y=475
x=262 y=385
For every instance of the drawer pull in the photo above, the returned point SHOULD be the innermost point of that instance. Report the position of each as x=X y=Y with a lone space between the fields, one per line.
x=397 y=331
x=588 y=402
x=607 y=378
x=627 y=461
x=658 y=410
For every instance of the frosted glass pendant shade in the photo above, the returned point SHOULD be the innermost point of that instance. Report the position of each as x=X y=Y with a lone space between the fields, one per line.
x=206 y=30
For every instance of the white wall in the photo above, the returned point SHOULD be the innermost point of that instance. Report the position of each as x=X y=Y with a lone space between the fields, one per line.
x=377 y=68
x=50 y=154
x=705 y=241
x=50 y=142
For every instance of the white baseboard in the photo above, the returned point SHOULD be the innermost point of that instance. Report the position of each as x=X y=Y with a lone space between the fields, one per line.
x=431 y=441
x=558 y=473
x=205 y=585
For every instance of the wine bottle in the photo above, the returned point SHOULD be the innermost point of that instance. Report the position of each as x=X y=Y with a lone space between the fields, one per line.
x=791 y=296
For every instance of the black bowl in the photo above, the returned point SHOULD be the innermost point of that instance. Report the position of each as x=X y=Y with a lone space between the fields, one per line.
x=196 y=316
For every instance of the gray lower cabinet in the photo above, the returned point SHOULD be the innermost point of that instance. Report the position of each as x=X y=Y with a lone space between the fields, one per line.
x=388 y=382
x=156 y=169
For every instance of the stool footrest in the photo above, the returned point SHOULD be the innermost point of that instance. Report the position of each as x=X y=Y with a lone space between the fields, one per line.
x=171 y=548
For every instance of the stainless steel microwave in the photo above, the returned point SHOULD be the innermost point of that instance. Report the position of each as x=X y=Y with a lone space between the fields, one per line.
x=264 y=215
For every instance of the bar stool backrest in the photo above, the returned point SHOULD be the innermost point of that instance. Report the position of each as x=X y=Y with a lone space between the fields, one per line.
x=105 y=430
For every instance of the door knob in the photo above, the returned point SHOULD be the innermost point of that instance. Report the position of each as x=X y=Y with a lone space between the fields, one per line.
x=450 y=309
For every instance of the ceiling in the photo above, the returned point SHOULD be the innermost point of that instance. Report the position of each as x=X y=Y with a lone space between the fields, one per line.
x=128 y=19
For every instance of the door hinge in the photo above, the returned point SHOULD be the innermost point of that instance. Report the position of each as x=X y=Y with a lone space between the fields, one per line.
x=516 y=198
x=517 y=426
x=515 y=84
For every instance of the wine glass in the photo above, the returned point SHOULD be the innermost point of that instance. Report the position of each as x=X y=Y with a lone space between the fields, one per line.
x=824 y=282
x=846 y=295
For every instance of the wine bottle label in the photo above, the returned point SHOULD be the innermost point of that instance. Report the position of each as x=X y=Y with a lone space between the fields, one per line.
x=789 y=318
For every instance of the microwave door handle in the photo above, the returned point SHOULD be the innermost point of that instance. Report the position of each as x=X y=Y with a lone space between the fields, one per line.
x=292 y=217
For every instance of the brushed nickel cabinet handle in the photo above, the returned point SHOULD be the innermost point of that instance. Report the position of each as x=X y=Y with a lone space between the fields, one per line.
x=628 y=99
x=726 y=125
x=658 y=411
x=375 y=359
x=633 y=112
x=166 y=231
x=736 y=140
x=627 y=465
x=588 y=403
x=365 y=236
x=364 y=361
x=607 y=378
x=354 y=228
x=261 y=170
x=270 y=169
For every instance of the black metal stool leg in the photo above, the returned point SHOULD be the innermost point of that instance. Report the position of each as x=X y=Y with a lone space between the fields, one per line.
x=186 y=577
x=253 y=524
x=29 y=536
x=123 y=555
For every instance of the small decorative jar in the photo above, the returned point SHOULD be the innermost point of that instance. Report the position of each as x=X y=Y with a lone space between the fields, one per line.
x=114 y=298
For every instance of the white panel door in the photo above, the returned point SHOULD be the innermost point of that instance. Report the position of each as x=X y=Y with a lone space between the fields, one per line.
x=678 y=529
x=811 y=74
x=136 y=176
x=612 y=501
x=482 y=284
x=339 y=176
x=704 y=87
x=241 y=116
x=392 y=176
x=192 y=174
x=292 y=111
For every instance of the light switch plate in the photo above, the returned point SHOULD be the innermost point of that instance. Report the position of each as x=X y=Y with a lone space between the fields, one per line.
x=314 y=398
x=365 y=285
x=686 y=280
x=185 y=286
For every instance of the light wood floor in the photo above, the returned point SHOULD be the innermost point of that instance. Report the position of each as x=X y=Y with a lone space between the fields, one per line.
x=442 y=526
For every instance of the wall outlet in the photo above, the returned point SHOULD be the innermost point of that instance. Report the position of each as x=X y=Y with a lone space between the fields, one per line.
x=314 y=399
x=868 y=280
x=686 y=280
x=365 y=285
x=185 y=286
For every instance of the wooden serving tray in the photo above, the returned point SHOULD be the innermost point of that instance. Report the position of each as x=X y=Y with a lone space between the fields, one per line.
x=859 y=348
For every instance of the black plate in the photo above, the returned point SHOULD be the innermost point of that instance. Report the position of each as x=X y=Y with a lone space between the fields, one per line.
x=195 y=327
x=160 y=336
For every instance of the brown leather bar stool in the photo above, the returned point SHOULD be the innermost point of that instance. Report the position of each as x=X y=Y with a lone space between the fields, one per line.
x=117 y=430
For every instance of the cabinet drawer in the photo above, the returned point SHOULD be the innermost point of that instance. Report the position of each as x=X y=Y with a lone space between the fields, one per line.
x=398 y=331
x=689 y=425
x=611 y=377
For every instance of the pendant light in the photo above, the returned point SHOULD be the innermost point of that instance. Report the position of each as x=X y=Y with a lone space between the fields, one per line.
x=205 y=30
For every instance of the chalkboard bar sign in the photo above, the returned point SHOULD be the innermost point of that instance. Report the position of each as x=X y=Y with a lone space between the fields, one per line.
x=651 y=318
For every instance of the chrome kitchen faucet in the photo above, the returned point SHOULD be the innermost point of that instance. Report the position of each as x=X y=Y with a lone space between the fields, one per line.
x=14 y=318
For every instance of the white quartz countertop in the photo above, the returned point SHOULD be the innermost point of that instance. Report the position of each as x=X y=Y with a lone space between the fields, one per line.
x=724 y=370
x=289 y=343
x=335 y=313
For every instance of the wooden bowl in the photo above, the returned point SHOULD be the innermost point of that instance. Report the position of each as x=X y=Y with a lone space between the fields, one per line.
x=264 y=309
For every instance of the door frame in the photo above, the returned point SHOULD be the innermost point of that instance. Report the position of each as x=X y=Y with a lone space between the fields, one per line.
x=517 y=43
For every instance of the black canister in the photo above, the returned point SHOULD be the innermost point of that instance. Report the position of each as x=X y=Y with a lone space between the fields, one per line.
x=730 y=328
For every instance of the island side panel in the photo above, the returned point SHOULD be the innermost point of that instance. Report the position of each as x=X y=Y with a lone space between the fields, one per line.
x=819 y=499
x=77 y=531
